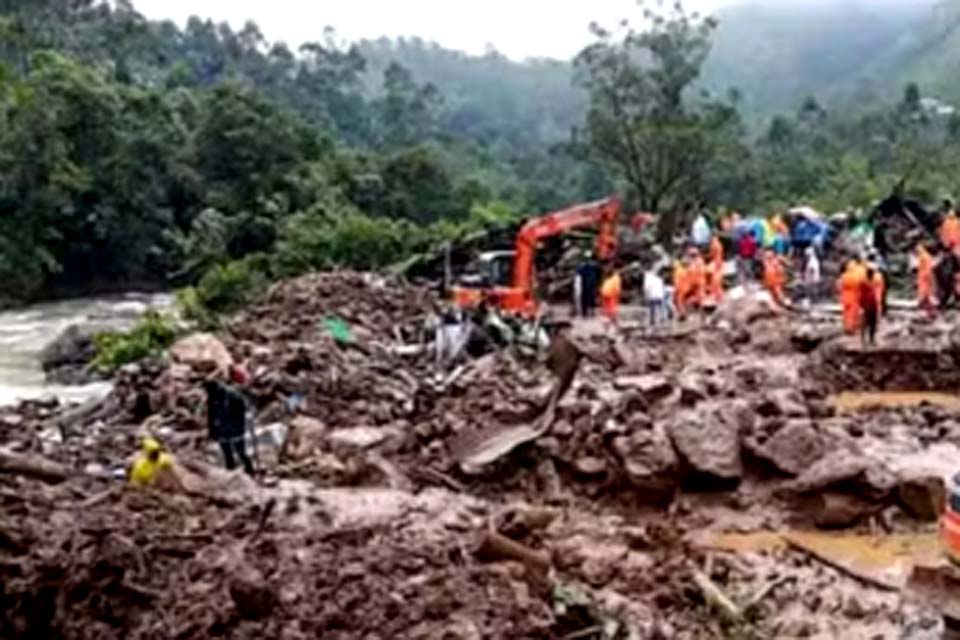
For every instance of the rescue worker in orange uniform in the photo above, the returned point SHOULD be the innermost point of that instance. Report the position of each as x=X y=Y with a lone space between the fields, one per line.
x=715 y=271
x=848 y=290
x=610 y=292
x=950 y=228
x=696 y=279
x=870 y=306
x=680 y=285
x=716 y=250
x=879 y=288
x=774 y=278
x=925 y=280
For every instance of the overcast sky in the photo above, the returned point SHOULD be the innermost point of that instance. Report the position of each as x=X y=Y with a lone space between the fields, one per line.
x=517 y=28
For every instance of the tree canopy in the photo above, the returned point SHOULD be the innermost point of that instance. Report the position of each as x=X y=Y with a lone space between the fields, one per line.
x=137 y=152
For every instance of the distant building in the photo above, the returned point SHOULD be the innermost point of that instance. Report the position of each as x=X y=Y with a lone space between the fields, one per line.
x=937 y=107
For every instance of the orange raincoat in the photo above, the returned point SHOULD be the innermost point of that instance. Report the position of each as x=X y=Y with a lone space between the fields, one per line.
x=774 y=277
x=848 y=289
x=925 y=278
x=716 y=250
x=696 y=281
x=950 y=231
x=715 y=271
x=610 y=293
x=879 y=288
x=680 y=286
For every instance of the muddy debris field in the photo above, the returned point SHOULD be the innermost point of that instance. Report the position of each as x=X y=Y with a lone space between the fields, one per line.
x=722 y=478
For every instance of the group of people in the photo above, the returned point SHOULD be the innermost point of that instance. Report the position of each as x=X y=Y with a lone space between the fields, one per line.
x=593 y=283
x=862 y=292
x=226 y=424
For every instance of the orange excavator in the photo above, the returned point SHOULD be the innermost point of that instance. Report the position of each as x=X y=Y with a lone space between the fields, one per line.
x=512 y=289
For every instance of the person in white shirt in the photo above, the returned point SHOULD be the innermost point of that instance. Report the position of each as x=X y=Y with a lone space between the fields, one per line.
x=811 y=274
x=654 y=293
x=700 y=233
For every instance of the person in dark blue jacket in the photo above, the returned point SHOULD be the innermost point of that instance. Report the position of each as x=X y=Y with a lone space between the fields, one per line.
x=227 y=423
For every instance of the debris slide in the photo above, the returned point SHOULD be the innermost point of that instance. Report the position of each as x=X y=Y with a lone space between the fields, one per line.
x=713 y=479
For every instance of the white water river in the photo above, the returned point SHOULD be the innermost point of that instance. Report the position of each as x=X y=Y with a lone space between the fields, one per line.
x=25 y=331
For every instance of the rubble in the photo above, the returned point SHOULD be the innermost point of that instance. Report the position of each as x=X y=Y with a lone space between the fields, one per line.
x=708 y=442
x=405 y=500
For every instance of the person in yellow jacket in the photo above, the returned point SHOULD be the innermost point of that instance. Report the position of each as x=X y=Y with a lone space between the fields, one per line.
x=154 y=467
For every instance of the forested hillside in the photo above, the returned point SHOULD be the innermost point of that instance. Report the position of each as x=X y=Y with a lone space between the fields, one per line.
x=136 y=152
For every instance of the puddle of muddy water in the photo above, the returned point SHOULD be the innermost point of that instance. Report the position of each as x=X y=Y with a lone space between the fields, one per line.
x=882 y=559
x=852 y=401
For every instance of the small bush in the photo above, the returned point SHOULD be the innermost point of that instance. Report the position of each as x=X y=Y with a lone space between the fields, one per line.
x=225 y=288
x=152 y=334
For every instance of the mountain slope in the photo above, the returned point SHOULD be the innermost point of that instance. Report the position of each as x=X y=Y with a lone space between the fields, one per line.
x=928 y=55
x=777 y=53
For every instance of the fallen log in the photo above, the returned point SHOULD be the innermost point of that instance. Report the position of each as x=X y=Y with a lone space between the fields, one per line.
x=495 y=546
x=34 y=467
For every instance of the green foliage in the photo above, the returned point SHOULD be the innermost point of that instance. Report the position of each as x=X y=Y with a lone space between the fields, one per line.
x=342 y=237
x=225 y=288
x=134 y=151
x=152 y=334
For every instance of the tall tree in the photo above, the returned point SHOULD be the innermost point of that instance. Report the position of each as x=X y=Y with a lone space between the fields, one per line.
x=640 y=119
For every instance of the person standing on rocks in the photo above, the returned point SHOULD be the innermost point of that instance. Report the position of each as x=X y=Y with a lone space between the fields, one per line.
x=925 y=280
x=586 y=286
x=870 y=304
x=811 y=275
x=696 y=279
x=227 y=423
x=774 y=278
x=654 y=294
x=848 y=290
x=610 y=293
x=746 y=254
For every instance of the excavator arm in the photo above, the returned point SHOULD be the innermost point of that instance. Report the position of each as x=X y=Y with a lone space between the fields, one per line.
x=604 y=214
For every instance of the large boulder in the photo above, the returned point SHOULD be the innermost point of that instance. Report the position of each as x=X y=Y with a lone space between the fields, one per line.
x=792 y=449
x=202 y=352
x=922 y=497
x=649 y=461
x=742 y=310
x=782 y=402
x=844 y=470
x=708 y=442
x=66 y=358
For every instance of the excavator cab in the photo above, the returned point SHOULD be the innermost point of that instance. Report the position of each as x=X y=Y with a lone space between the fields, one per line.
x=490 y=269
x=488 y=276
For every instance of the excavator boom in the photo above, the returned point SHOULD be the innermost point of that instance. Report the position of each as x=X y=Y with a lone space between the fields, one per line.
x=603 y=214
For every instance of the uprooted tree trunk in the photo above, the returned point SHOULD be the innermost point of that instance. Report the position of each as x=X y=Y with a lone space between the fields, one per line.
x=33 y=467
